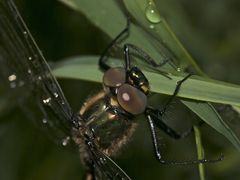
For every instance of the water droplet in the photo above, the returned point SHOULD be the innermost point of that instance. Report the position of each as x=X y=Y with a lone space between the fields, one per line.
x=25 y=33
x=151 y=26
x=179 y=69
x=65 y=141
x=152 y=14
x=30 y=58
x=103 y=160
x=13 y=84
x=47 y=101
x=12 y=77
x=44 y=120
x=55 y=95
x=21 y=83
x=29 y=71
x=40 y=78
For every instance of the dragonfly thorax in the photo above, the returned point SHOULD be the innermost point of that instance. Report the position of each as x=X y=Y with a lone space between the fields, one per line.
x=108 y=121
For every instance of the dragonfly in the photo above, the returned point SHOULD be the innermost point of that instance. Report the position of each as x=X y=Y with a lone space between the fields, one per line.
x=105 y=121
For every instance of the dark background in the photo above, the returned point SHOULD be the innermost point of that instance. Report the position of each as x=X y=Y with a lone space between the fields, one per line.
x=26 y=153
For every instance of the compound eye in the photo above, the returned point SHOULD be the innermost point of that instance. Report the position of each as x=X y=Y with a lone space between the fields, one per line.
x=114 y=77
x=131 y=99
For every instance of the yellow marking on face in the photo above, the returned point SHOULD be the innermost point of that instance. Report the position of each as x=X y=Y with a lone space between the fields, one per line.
x=145 y=89
x=113 y=101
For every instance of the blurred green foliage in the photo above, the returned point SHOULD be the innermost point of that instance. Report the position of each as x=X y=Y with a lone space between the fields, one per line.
x=209 y=30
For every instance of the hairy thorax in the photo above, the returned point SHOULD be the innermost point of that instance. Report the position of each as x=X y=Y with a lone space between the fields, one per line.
x=112 y=127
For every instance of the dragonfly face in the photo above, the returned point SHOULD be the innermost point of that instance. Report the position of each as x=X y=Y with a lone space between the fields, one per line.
x=109 y=114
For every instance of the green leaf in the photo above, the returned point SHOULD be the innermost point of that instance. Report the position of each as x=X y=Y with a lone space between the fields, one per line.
x=213 y=119
x=236 y=108
x=196 y=87
x=109 y=17
x=86 y=68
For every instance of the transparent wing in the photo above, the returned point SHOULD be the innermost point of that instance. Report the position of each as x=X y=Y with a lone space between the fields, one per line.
x=25 y=75
x=105 y=167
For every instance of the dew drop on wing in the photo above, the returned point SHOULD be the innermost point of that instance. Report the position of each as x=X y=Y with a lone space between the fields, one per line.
x=45 y=103
x=12 y=80
x=105 y=167
x=65 y=141
x=13 y=85
x=25 y=33
x=45 y=121
x=26 y=75
x=21 y=83
x=12 y=77
x=55 y=94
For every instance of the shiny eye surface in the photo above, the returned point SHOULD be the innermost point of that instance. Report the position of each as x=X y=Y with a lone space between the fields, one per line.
x=114 y=77
x=131 y=99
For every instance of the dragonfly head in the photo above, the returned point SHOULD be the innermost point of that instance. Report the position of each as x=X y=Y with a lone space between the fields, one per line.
x=129 y=87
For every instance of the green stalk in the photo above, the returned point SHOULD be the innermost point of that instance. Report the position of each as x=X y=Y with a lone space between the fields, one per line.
x=200 y=152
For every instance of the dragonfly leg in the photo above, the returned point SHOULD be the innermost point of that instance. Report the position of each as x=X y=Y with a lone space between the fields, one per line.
x=137 y=52
x=103 y=58
x=167 y=162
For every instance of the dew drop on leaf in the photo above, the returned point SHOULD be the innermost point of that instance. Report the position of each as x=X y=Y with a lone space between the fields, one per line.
x=152 y=14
